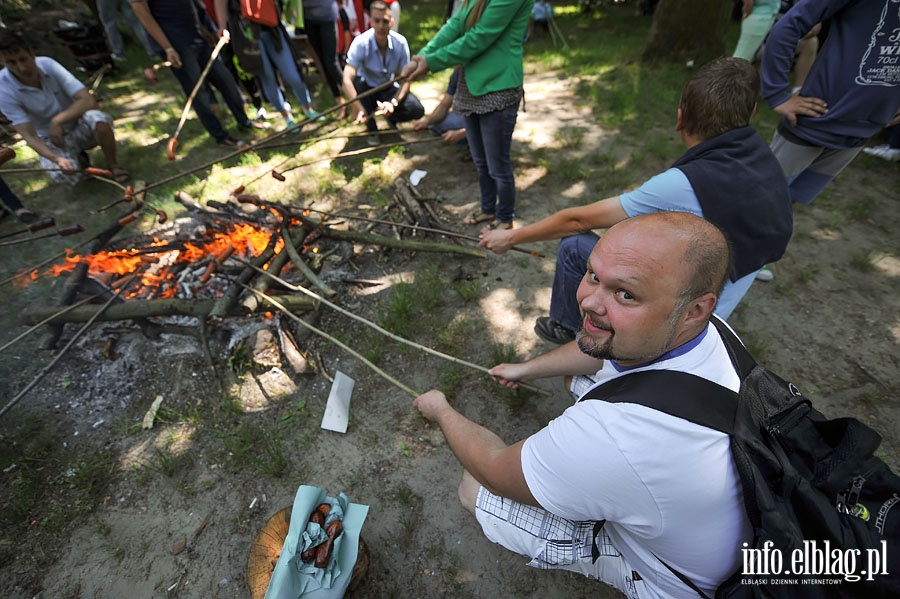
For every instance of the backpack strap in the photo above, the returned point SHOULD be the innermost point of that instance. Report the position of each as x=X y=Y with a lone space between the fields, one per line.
x=678 y=394
x=740 y=357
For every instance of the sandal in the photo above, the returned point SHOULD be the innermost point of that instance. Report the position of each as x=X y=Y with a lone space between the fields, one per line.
x=477 y=217
x=500 y=225
x=120 y=175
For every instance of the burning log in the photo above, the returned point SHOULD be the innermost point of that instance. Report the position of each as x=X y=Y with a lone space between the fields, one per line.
x=227 y=303
x=251 y=302
x=198 y=308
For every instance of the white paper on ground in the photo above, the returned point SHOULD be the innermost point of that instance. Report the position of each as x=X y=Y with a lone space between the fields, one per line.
x=416 y=177
x=337 y=410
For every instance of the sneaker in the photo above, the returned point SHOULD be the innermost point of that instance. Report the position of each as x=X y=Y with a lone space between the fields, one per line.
x=119 y=58
x=313 y=114
x=885 y=152
x=261 y=114
x=552 y=332
x=290 y=124
x=373 y=139
x=764 y=274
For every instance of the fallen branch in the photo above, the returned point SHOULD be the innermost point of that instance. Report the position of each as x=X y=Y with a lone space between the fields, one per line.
x=146 y=309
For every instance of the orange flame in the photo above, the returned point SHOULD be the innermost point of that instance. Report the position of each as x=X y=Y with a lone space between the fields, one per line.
x=244 y=238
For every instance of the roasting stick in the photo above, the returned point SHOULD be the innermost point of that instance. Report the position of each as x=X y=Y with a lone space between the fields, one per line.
x=48 y=319
x=416 y=228
x=173 y=141
x=63 y=351
x=372 y=325
x=412 y=393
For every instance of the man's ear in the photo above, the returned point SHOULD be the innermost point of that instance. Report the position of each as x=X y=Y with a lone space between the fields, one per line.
x=700 y=309
x=679 y=121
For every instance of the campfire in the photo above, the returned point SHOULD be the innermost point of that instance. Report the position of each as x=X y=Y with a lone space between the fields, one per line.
x=203 y=264
x=170 y=268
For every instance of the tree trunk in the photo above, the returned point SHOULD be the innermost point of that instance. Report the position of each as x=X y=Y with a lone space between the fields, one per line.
x=685 y=30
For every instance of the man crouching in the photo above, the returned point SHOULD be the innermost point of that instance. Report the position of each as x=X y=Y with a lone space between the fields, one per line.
x=613 y=490
x=53 y=112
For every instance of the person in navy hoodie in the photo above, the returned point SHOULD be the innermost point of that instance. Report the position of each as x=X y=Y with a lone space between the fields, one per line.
x=851 y=93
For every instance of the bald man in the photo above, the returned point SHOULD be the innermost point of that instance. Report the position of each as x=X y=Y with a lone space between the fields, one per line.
x=665 y=487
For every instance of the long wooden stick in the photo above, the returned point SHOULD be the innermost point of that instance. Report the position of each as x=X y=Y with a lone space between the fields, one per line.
x=46 y=320
x=63 y=351
x=212 y=58
x=380 y=372
x=374 y=326
x=416 y=228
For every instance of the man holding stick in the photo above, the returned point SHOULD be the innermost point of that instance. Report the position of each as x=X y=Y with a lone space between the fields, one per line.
x=651 y=286
x=373 y=59
x=728 y=175
x=54 y=112
x=174 y=26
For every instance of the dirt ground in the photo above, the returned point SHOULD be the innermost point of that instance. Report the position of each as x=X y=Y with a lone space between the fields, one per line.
x=830 y=322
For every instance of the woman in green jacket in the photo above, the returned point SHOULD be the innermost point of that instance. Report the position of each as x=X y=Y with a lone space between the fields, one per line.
x=485 y=37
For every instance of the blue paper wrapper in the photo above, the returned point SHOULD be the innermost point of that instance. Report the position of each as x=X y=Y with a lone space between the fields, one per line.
x=293 y=578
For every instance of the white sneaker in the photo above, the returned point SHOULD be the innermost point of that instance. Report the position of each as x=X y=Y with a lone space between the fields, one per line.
x=373 y=139
x=885 y=152
x=764 y=274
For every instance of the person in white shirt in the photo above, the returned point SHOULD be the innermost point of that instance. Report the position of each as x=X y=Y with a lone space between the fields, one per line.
x=666 y=488
x=54 y=112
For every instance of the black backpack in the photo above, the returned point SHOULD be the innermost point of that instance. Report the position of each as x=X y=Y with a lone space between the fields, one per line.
x=825 y=511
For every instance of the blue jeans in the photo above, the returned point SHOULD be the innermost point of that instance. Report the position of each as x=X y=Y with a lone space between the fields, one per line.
x=283 y=60
x=194 y=56
x=571 y=264
x=109 y=12
x=451 y=122
x=490 y=138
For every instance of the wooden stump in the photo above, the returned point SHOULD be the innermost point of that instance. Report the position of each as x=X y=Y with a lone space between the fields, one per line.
x=266 y=549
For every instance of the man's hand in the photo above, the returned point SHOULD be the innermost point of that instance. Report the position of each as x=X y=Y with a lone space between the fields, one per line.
x=385 y=108
x=420 y=124
x=496 y=240
x=455 y=136
x=415 y=69
x=747 y=8
x=801 y=106
x=173 y=57
x=432 y=404
x=361 y=116
x=509 y=375
x=65 y=164
x=55 y=133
